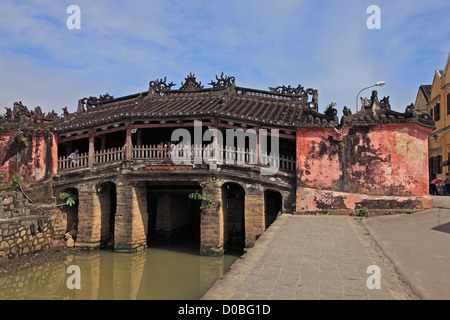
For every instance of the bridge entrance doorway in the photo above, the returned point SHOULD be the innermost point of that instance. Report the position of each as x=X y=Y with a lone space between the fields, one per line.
x=173 y=218
x=233 y=198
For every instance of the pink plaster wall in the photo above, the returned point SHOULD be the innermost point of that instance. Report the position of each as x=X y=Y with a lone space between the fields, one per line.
x=37 y=161
x=317 y=159
x=383 y=160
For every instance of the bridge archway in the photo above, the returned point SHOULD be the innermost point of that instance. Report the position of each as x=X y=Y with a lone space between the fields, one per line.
x=273 y=204
x=107 y=198
x=233 y=199
x=173 y=218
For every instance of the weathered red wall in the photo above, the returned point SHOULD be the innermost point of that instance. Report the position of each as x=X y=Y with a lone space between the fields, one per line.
x=382 y=160
x=37 y=158
x=387 y=160
x=7 y=168
x=317 y=158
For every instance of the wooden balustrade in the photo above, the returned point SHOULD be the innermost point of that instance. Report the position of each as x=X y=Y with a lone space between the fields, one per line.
x=230 y=155
x=65 y=163
x=109 y=155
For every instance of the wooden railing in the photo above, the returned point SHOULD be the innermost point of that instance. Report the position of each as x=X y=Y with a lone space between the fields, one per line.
x=65 y=163
x=230 y=155
x=151 y=152
x=109 y=155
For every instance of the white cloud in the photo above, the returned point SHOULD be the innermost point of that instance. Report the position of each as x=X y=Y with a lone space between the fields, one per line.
x=123 y=45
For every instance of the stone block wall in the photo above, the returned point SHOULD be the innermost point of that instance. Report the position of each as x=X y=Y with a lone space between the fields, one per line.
x=25 y=228
x=12 y=204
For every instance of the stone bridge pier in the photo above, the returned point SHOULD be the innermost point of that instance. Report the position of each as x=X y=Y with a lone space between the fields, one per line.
x=247 y=218
x=105 y=219
x=125 y=213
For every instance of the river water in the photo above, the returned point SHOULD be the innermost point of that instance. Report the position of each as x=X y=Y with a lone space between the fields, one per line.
x=157 y=273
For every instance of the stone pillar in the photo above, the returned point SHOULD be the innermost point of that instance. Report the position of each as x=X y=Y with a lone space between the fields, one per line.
x=89 y=218
x=131 y=217
x=254 y=214
x=211 y=224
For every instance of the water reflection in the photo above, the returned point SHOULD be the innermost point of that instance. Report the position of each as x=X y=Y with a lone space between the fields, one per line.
x=154 y=274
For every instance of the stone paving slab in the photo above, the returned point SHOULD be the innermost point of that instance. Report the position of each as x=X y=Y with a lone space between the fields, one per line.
x=309 y=257
x=418 y=246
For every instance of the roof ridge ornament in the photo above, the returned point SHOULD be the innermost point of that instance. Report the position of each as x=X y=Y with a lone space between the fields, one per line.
x=160 y=85
x=299 y=91
x=374 y=111
x=222 y=82
x=288 y=90
x=191 y=83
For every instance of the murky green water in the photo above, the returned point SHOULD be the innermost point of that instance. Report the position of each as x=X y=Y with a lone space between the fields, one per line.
x=155 y=273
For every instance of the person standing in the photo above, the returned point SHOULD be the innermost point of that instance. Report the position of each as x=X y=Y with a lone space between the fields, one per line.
x=74 y=156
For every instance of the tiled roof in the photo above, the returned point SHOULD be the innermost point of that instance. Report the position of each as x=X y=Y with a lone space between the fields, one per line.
x=282 y=106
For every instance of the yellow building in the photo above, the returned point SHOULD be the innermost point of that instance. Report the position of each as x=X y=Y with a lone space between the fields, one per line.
x=423 y=97
x=439 y=108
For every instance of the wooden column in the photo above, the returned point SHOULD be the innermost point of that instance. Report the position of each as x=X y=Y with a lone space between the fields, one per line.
x=91 y=148
x=258 y=129
x=129 y=142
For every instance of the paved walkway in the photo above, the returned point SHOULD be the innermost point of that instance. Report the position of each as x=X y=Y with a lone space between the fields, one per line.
x=419 y=246
x=310 y=257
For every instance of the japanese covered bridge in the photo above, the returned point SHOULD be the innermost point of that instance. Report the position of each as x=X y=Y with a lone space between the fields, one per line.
x=145 y=160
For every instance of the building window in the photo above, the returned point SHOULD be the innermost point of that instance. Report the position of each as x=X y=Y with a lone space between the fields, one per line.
x=435 y=164
x=437 y=112
x=448 y=104
x=431 y=112
x=439 y=160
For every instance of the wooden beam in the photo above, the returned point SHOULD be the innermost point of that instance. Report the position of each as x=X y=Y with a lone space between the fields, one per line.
x=99 y=133
x=258 y=127
x=168 y=125
x=72 y=138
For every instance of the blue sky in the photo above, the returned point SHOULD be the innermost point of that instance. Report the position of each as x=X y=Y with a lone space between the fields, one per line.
x=123 y=45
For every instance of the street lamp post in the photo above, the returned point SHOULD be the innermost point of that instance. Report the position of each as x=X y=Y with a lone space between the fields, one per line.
x=378 y=84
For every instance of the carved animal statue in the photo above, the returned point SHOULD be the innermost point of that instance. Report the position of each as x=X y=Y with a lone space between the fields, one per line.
x=384 y=103
x=65 y=112
x=347 y=112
